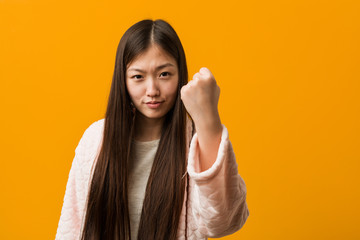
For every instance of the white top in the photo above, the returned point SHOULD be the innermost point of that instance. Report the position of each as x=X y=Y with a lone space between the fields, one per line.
x=142 y=158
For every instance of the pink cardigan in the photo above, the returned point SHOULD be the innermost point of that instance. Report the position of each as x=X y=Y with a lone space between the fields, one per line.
x=216 y=201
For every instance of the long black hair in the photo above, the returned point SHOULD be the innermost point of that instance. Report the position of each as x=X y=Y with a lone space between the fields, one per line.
x=107 y=210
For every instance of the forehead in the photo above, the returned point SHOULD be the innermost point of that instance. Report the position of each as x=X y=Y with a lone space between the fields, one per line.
x=151 y=58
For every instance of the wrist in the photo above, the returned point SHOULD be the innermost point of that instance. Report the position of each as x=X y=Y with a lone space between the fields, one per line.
x=211 y=125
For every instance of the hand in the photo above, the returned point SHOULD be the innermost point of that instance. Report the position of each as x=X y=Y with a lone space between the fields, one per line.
x=200 y=97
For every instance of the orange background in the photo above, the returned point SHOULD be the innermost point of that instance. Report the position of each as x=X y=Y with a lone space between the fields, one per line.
x=290 y=85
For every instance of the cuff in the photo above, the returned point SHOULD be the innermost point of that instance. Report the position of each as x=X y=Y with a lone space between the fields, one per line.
x=193 y=160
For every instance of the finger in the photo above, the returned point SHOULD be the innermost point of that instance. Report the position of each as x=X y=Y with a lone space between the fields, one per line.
x=205 y=71
x=196 y=76
x=190 y=83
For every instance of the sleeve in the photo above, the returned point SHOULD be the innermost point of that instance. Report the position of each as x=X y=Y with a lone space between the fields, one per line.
x=74 y=199
x=218 y=196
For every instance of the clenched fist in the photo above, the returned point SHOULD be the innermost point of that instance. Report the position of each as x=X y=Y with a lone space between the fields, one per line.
x=200 y=97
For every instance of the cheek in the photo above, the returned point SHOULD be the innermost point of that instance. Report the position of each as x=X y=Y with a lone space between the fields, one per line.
x=135 y=92
x=170 y=90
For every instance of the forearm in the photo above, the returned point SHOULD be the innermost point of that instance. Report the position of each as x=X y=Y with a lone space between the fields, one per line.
x=200 y=97
x=209 y=135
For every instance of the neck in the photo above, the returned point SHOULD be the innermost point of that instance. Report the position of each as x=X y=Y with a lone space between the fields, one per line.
x=147 y=129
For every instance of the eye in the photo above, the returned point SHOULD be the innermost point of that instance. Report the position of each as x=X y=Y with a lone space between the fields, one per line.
x=165 y=74
x=137 y=76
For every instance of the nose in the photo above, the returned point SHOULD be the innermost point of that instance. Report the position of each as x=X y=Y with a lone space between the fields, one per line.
x=152 y=89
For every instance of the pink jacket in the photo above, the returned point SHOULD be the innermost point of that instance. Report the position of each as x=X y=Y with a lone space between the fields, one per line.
x=216 y=201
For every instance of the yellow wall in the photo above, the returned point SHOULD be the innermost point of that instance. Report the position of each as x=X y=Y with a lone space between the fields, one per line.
x=290 y=86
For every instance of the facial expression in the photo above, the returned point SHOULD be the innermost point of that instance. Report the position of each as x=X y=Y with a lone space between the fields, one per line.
x=152 y=82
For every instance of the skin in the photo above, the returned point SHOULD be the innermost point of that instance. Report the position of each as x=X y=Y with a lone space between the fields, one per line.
x=152 y=76
x=152 y=81
x=200 y=97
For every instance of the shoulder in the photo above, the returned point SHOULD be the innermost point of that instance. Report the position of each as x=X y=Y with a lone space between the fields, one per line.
x=91 y=137
x=86 y=153
x=95 y=129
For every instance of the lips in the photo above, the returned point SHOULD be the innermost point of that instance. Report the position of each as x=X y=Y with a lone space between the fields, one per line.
x=154 y=104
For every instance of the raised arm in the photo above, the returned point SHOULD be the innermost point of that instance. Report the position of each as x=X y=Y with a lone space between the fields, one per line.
x=217 y=192
x=200 y=97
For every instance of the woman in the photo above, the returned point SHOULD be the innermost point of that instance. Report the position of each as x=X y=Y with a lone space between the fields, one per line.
x=142 y=172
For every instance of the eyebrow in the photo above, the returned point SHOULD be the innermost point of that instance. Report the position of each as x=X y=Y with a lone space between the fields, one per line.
x=157 y=68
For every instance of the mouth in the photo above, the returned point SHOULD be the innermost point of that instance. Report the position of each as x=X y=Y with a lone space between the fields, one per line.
x=154 y=104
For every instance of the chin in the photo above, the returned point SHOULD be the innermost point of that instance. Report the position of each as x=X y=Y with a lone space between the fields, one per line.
x=153 y=115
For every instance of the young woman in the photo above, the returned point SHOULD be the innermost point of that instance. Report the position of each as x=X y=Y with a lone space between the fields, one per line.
x=148 y=170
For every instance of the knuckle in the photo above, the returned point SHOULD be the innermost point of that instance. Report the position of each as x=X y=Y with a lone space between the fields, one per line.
x=196 y=76
x=204 y=70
